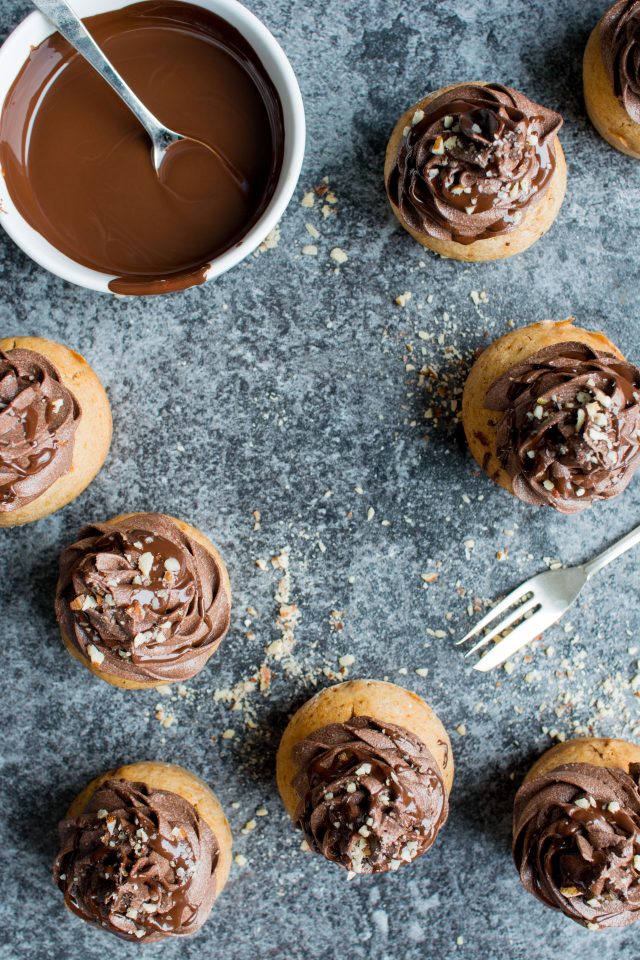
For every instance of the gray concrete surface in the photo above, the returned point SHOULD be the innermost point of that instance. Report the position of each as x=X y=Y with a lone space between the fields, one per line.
x=281 y=388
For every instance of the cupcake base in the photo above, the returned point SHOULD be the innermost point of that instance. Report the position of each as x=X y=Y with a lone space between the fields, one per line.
x=599 y=752
x=605 y=110
x=534 y=225
x=92 y=437
x=383 y=701
x=512 y=349
x=173 y=779
x=225 y=587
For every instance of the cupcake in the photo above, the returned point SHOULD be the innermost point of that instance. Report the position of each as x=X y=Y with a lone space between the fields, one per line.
x=144 y=852
x=552 y=413
x=576 y=831
x=612 y=77
x=55 y=428
x=475 y=171
x=365 y=770
x=142 y=600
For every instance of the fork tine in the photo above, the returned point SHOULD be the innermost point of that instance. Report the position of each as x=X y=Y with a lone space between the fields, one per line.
x=522 y=635
x=502 y=625
x=501 y=607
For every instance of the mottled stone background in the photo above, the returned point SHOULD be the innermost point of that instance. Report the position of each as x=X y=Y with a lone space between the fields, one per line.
x=281 y=388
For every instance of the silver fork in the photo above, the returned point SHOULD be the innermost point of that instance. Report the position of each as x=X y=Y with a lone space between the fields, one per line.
x=541 y=601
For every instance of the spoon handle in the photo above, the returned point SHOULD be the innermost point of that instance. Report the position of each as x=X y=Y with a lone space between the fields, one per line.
x=74 y=31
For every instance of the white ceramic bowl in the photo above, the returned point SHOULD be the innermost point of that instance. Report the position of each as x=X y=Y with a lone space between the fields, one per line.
x=37 y=28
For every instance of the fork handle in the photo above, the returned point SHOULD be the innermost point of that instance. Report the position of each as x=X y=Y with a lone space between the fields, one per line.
x=631 y=540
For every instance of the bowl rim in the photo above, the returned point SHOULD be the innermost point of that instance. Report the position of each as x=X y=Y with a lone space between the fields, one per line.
x=35 y=28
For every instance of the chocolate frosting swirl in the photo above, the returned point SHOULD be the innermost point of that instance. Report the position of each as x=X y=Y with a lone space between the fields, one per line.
x=371 y=795
x=620 y=47
x=141 y=599
x=140 y=863
x=570 y=430
x=473 y=162
x=38 y=421
x=577 y=842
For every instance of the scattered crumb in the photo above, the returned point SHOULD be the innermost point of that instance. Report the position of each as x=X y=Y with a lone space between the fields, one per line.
x=403 y=299
x=429 y=577
x=270 y=241
x=164 y=717
x=479 y=296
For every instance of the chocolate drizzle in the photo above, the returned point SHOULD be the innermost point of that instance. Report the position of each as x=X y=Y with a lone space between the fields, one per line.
x=372 y=796
x=38 y=420
x=140 y=863
x=473 y=162
x=141 y=599
x=620 y=47
x=570 y=430
x=577 y=842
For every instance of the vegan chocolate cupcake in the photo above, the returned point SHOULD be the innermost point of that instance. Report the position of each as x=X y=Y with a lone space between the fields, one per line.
x=55 y=428
x=475 y=171
x=552 y=414
x=144 y=852
x=143 y=600
x=576 y=831
x=612 y=77
x=365 y=770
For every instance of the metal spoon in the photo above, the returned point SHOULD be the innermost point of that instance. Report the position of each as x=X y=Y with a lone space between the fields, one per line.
x=74 y=31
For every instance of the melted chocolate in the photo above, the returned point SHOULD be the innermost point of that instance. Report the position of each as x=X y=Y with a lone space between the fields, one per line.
x=576 y=842
x=473 y=162
x=372 y=797
x=140 y=863
x=569 y=434
x=143 y=599
x=620 y=46
x=38 y=422
x=78 y=164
